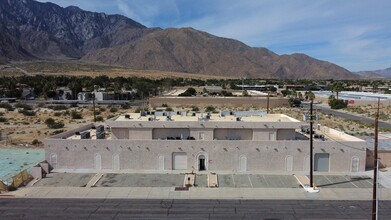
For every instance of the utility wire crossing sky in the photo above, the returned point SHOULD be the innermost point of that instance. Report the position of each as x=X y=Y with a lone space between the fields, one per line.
x=353 y=34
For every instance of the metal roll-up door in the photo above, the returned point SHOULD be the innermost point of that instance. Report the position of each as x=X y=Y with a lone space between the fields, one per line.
x=179 y=161
x=322 y=162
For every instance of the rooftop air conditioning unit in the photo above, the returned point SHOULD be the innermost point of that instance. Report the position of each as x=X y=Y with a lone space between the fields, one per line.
x=100 y=128
x=101 y=135
x=85 y=135
x=238 y=119
x=143 y=114
x=150 y=119
x=127 y=116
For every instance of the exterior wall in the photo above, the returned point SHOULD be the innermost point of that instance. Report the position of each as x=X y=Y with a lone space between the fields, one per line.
x=383 y=155
x=286 y=134
x=259 y=102
x=222 y=155
x=140 y=134
x=233 y=134
x=163 y=133
x=120 y=133
x=198 y=133
x=263 y=134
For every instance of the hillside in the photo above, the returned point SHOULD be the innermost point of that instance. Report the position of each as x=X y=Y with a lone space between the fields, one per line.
x=32 y=30
x=376 y=74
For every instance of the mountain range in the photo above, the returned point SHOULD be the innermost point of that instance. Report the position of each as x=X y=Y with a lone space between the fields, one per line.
x=377 y=74
x=31 y=30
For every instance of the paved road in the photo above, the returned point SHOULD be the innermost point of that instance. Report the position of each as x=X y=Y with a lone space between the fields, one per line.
x=58 y=209
x=352 y=117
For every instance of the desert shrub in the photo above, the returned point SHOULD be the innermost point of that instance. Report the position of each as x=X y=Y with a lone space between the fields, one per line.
x=195 y=109
x=57 y=114
x=27 y=112
x=76 y=115
x=23 y=106
x=35 y=142
x=125 y=106
x=6 y=106
x=164 y=105
x=189 y=92
x=57 y=132
x=99 y=118
x=53 y=124
x=2 y=119
x=58 y=107
x=210 y=108
x=169 y=109
x=113 y=109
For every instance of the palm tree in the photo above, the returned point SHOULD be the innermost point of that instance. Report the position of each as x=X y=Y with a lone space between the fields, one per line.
x=309 y=95
x=337 y=87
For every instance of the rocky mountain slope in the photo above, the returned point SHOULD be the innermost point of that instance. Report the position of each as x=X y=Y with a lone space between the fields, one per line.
x=45 y=30
x=376 y=74
x=34 y=30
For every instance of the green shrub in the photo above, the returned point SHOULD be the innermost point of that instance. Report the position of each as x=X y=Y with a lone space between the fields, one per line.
x=76 y=115
x=52 y=124
x=57 y=132
x=210 y=108
x=113 y=109
x=57 y=114
x=24 y=106
x=27 y=112
x=6 y=106
x=195 y=109
x=99 y=118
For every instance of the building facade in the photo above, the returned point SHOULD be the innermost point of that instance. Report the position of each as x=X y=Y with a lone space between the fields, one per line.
x=228 y=141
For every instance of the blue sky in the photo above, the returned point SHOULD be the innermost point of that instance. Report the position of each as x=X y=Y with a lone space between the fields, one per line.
x=355 y=34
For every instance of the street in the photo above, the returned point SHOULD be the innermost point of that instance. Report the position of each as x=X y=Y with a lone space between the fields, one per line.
x=327 y=110
x=21 y=208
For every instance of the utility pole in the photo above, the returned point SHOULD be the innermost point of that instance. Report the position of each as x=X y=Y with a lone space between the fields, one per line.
x=375 y=164
x=267 y=103
x=311 y=145
x=93 y=105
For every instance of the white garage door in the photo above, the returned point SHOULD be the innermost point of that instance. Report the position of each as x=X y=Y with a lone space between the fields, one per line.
x=179 y=161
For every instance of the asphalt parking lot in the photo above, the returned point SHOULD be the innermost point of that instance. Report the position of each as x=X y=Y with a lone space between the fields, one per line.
x=65 y=179
x=225 y=180
x=141 y=180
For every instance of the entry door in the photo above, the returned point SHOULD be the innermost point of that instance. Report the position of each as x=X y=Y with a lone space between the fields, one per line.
x=179 y=161
x=321 y=162
x=201 y=163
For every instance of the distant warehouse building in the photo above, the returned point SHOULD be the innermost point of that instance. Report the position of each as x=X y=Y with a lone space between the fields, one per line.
x=228 y=141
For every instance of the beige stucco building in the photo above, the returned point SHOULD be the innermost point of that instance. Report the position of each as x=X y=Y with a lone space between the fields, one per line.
x=228 y=141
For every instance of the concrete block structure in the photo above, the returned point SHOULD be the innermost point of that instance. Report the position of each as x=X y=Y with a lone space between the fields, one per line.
x=187 y=141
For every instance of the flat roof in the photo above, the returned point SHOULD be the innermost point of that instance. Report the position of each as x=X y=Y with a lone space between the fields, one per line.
x=203 y=117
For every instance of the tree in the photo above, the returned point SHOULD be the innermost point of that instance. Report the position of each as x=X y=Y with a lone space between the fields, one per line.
x=336 y=103
x=189 y=92
x=309 y=95
x=337 y=87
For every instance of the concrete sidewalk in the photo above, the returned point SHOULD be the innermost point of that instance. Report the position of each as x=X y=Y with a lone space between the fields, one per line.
x=198 y=193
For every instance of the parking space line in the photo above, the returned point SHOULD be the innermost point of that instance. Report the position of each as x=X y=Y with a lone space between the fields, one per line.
x=248 y=176
x=233 y=180
x=267 y=184
x=350 y=181
x=328 y=180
